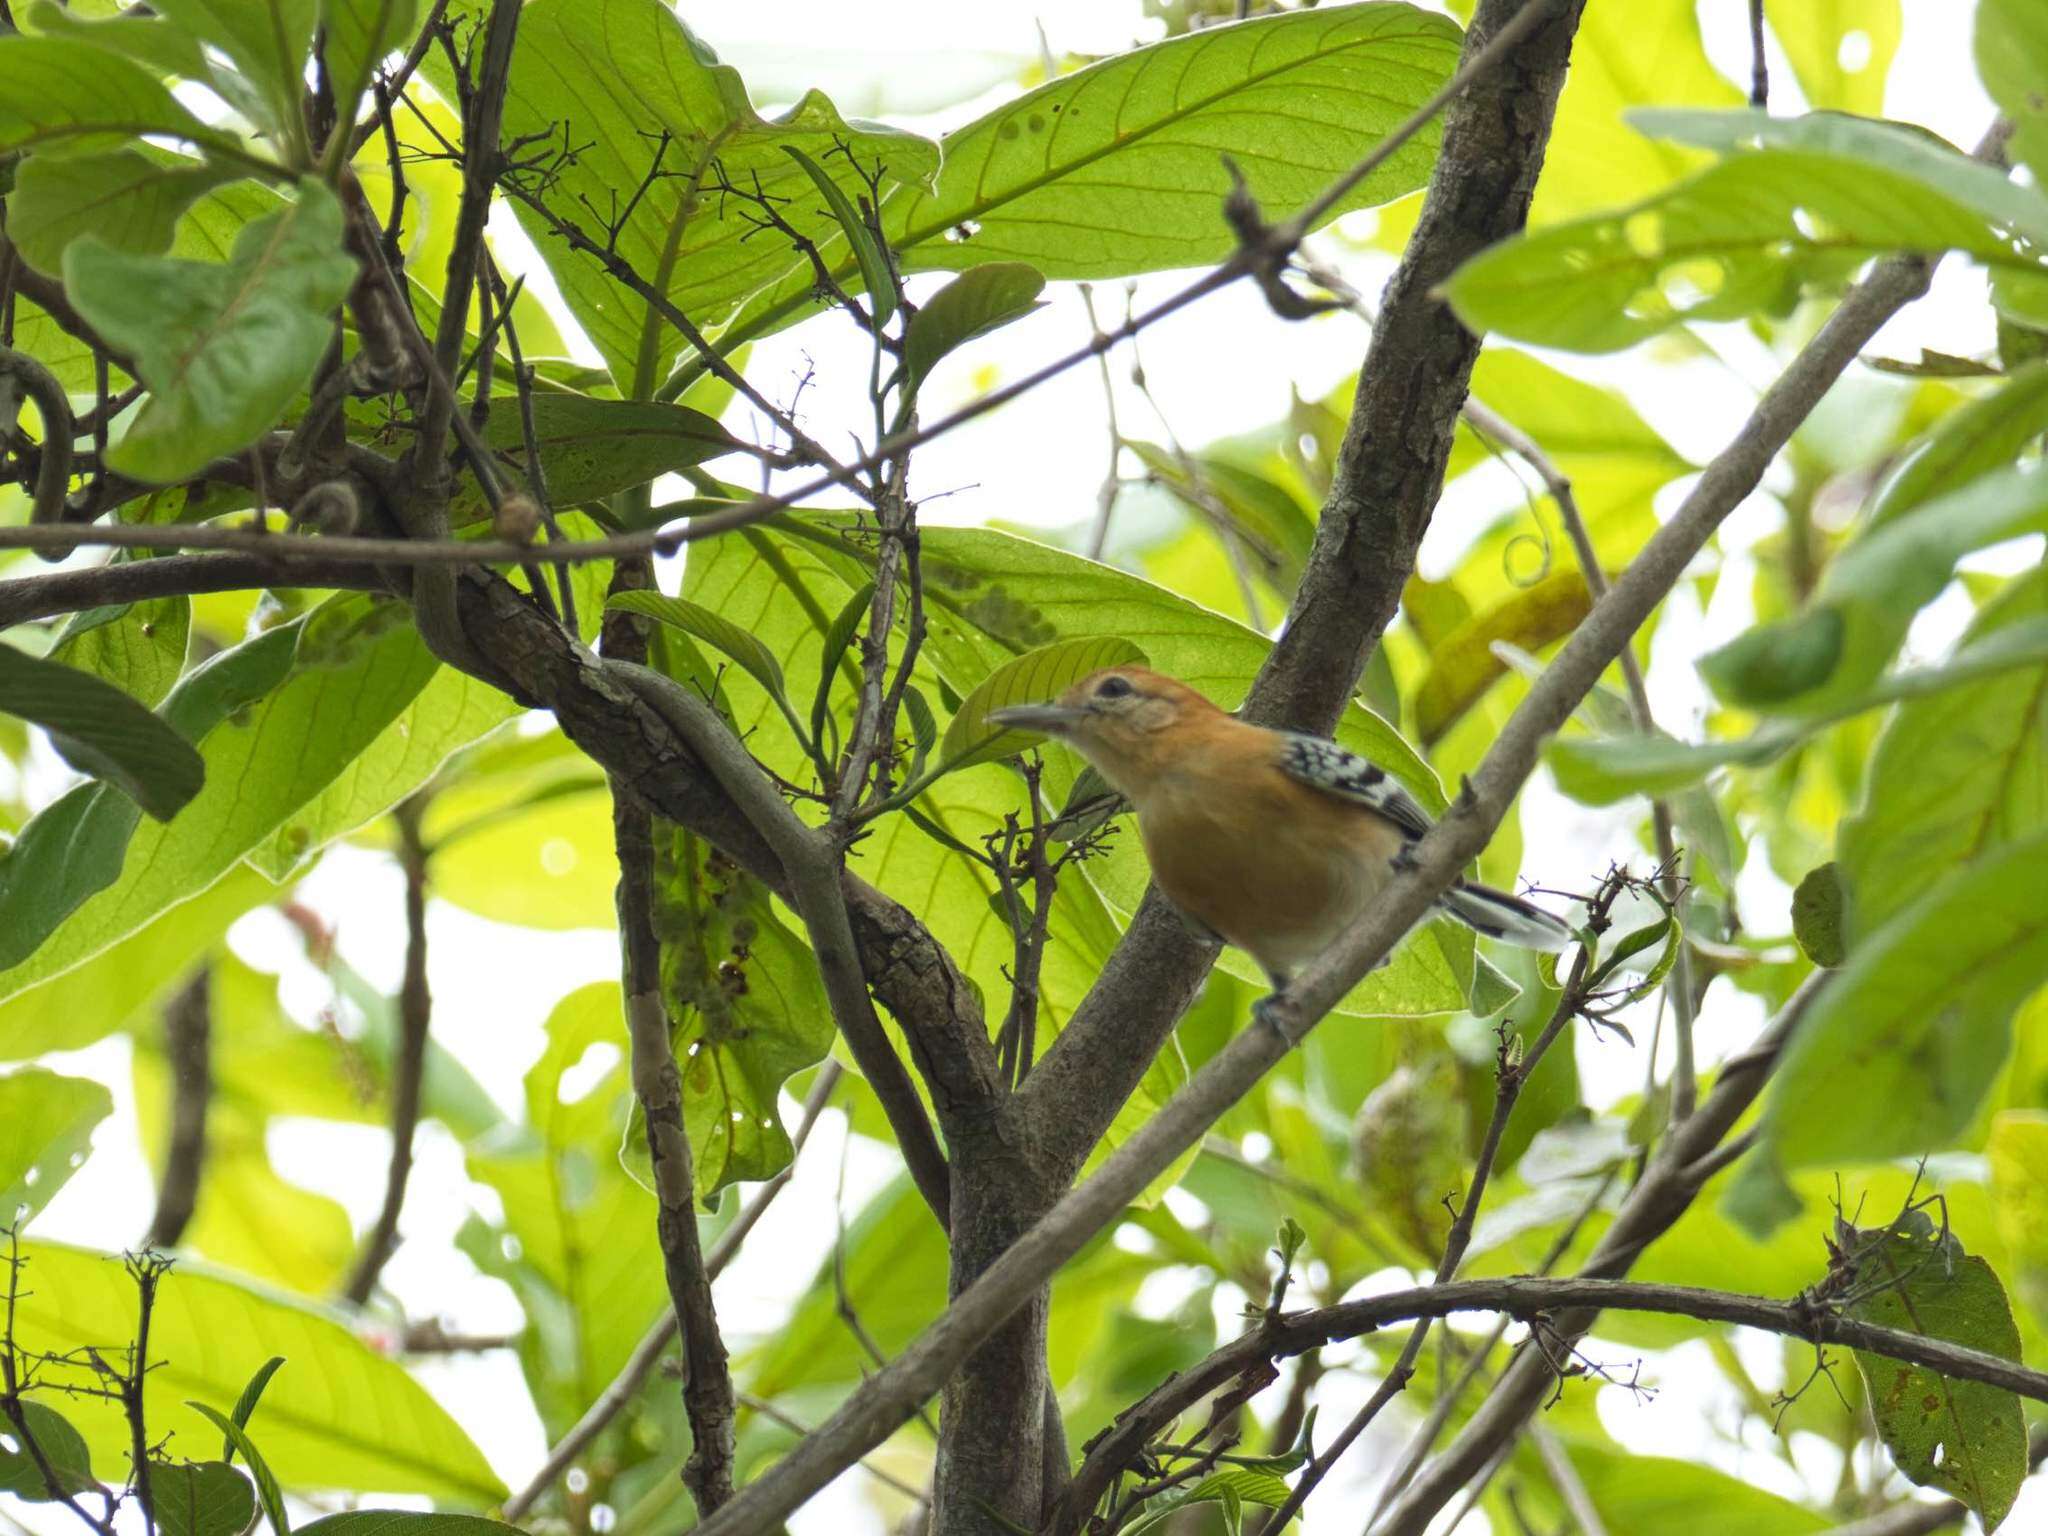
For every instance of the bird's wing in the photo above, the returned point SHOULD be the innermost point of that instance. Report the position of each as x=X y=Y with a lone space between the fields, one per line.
x=1330 y=768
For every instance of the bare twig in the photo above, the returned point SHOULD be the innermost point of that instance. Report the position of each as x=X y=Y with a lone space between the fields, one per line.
x=188 y=1047
x=408 y=1070
x=1759 y=70
x=27 y=598
x=648 y=1352
x=707 y=1378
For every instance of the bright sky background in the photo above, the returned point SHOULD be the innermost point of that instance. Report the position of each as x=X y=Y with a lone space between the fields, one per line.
x=1225 y=365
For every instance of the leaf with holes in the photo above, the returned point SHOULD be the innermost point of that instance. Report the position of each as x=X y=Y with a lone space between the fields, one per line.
x=101 y=731
x=1032 y=678
x=46 y=1126
x=1744 y=236
x=1963 y=1437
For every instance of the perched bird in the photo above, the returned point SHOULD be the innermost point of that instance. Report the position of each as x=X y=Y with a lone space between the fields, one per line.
x=1274 y=840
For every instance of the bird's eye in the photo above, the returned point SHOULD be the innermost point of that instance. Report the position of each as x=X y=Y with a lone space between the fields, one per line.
x=1113 y=688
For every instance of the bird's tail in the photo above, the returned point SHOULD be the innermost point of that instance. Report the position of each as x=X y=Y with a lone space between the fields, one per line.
x=1508 y=918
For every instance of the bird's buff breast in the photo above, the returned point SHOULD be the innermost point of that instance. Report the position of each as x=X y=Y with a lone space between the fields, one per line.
x=1278 y=884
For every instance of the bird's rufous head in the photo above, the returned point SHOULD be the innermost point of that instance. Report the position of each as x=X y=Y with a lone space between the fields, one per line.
x=1121 y=719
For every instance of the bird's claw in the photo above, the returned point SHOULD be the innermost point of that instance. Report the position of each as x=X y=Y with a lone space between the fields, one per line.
x=1271 y=1011
x=1404 y=860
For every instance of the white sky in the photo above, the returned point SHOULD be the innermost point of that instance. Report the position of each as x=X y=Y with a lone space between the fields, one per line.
x=1222 y=366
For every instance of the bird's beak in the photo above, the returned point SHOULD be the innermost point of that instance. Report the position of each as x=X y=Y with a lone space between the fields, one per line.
x=1051 y=718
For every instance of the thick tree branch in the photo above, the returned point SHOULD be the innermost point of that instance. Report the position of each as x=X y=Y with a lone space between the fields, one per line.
x=28 y=598
x=408 y=1070
x=188 y=1048
x=1388 y=478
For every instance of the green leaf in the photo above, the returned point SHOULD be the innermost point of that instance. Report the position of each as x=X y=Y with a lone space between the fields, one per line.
x=71 y=97
x=90 y=1001
x=404 y=1522
x=344 y=1417
x=147 y=40
x=275 y=736
x=62 y=1446
x=138 y=647
x=1741 y=237
x=76 y=847
x=1817 y=915
x=1899 y=1049
x=2012 y=60
x=1816 y=36
x=357 y=35
x=1033 y=678
x=1116 y=169
x=575 y=1225
x=591 y=448
x=101 y=731
x=132 y=199
x=980 y=300
x=838 y=636
x=46 y=1125
x=1464 y=664
x=617 y=75
x=1868 y=596
x=1602 y=770
x=266 y=1481
x=1955 y=774
x=720 y=634
x=201 y=1498
x=875 y=273
x=252 y=1394
x=1663 y=1493
x=223 y=348
x=268 y=42
x=746 y=1008
x=1982 y=435
x=1963 y=1437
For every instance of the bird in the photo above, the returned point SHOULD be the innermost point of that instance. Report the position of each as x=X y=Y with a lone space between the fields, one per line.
x=1274 y=841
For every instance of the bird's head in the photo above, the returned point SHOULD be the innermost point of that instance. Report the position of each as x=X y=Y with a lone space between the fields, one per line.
x=1121 y=719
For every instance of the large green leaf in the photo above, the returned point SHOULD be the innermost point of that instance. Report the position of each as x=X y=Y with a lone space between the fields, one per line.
x=1034 y=678
x=1987 y=433
x=577 y=1230
x=1834 y=650
x=308 y=700
x=613 y=80
x=1602 y=770
x=1840 y=50
x=132 y=199
x=223 y=348
x=67 y=96
x=1663 y=1493
x=339 y=1416
x=151 y=41
x=1898 y=1051
x=746 y=1007
x=1118 y=167
x=356 y=36
x=2012 y=58
x=591 y=448
x=1963 y=1437
x=1956 y=774
x=267 y=42
x=76 y=846
x=103 y=732
x=1742 y=236
x=46 y=1124
x=138 y=647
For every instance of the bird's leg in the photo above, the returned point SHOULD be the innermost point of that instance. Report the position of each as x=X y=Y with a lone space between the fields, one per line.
x=1271 y=1011
x=1404 y=859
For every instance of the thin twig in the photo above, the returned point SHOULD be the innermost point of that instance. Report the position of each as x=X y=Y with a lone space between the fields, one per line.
x=1759 y=69
x=408 y=1070
x=188 y=1047
x=648 y=1352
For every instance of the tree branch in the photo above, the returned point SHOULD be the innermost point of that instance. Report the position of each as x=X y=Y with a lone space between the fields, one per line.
x=648 y=1352
x=1388 y=478
x=188 y=1045
x=28 y=598
x=707 y=1378
x=408 y=1070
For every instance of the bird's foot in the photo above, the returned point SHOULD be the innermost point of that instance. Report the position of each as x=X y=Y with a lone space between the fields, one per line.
x=1404 y=859
x=1273 y=1011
